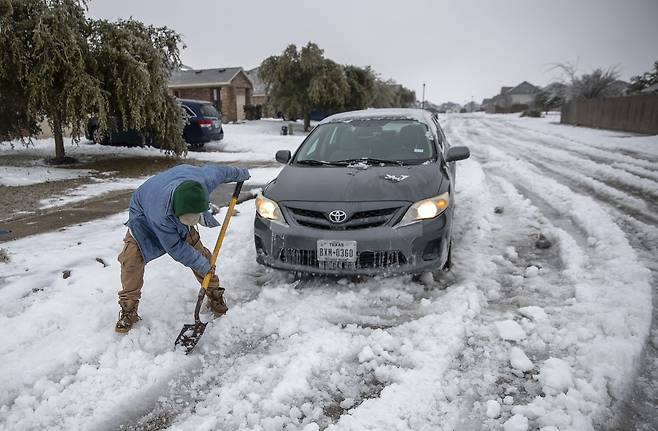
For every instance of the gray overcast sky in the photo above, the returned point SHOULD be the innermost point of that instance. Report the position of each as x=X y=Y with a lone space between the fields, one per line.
x=460 y=49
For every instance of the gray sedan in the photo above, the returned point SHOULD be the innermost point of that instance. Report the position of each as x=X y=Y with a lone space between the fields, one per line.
x=367 y=192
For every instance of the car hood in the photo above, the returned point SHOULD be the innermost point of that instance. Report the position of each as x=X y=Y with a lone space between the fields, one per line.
x=349 y=184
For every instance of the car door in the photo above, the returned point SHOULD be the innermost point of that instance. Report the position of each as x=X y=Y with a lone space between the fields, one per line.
x=191 y=130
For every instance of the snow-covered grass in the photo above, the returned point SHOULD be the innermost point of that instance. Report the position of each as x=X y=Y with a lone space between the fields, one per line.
x=514 y=338
x=27 y=175
x=253 y=141
x=97 y=188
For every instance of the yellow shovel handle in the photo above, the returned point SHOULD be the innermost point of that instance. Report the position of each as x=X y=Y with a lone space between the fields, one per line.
x=222 y=233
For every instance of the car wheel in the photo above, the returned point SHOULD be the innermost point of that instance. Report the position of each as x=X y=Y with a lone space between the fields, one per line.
x=97 y=137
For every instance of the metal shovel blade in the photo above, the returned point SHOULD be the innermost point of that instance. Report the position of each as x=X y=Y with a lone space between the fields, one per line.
x=190 y=335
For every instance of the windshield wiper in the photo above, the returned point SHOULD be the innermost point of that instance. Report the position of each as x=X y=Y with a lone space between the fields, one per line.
x=370 y=160
x=317 y=163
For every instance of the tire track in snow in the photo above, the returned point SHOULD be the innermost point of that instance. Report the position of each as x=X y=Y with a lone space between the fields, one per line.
x=484 y=364
x=407 y=405
x=615 y=177
x=588 y=149
x=617 y=195
x=516 y=172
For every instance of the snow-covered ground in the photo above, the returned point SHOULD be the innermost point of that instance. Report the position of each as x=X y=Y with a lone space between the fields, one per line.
x=26 y=175
x=514 y=338
x=254 y=141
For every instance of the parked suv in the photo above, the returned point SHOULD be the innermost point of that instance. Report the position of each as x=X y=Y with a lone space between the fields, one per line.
x=203 y=123
x=367 y=192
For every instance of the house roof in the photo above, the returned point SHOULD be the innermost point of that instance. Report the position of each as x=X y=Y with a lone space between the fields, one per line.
x=260 y=89
x=523 y=88
x=203 y=77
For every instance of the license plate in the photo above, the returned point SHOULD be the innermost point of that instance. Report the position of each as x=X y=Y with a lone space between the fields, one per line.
x=336 y=251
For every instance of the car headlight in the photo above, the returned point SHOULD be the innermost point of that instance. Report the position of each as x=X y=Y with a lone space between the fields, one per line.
x=269 y=209
x=426 y=209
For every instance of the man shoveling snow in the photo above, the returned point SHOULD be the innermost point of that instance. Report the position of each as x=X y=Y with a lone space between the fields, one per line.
x=163 y=214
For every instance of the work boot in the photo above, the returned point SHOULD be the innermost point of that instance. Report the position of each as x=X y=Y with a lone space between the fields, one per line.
x=127 y=316
x=216 y=301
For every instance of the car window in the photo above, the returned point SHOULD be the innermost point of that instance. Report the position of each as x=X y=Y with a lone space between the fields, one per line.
x=208 y=110
x=401 y=140
x=439 y=133
x=189 y=111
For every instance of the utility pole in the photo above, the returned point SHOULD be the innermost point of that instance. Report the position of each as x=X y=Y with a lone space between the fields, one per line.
x=422 y=103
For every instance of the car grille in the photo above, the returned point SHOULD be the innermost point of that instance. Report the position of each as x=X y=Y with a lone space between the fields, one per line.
x=358 y=220
x=365 y=260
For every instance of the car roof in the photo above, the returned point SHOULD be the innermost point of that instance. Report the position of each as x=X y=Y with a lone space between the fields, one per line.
x=197 y=102
x=420 y=115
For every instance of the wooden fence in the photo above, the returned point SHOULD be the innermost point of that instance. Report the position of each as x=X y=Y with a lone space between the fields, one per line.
x=637 y=114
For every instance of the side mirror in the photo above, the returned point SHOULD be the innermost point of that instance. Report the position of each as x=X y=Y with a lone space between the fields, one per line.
x=457 y=153
x=283 y=156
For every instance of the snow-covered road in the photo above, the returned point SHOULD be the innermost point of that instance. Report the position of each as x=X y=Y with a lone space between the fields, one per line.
x=515 y=337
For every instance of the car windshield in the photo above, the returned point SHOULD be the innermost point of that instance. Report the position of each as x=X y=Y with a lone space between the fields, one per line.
x=372 y=141
x=208 y=110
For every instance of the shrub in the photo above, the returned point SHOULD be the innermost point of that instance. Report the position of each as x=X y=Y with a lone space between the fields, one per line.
x=253 y=112
x=534 y=113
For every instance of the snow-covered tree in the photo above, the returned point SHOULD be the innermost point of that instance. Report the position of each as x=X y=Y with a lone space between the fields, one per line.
x=61 y=66
x=303 y=80
x=647 y=79
x=133 y=63
x=597 y=83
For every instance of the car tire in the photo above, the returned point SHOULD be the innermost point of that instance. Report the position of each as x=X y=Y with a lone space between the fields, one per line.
x=98 y=138
x=95 y=135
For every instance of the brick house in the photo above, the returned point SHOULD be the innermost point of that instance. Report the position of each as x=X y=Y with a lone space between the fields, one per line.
x=228 y=88
x=512 y=99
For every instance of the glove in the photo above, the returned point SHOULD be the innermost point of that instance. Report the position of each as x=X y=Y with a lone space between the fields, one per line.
x=244 y=175
x=214 y=209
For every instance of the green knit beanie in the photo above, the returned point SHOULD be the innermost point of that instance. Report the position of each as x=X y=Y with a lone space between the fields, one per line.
x=190 y=197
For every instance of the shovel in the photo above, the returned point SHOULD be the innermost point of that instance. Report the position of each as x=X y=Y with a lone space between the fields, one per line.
x=191 y=333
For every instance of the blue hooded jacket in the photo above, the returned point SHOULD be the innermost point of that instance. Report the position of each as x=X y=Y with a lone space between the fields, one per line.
x=153 y=223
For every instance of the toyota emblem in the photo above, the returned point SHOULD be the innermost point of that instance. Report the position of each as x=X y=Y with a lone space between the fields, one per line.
x=337 y=216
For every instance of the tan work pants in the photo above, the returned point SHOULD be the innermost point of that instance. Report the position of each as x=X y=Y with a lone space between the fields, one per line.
x=132 y=267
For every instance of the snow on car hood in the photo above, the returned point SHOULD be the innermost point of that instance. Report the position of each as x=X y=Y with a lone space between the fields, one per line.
x=353 y=183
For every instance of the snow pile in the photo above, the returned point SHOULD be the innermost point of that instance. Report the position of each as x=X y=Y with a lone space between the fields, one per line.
x=510 y=330
x=493 y=409
x=555 y=376
x=516 y=423
x=519 y=360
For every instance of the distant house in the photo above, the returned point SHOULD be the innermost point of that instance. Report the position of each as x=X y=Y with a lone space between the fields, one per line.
x=259 y=96
x=619 y=88
x=449 y=107
x=486 y=103
x=512 y=99
x=228 y=88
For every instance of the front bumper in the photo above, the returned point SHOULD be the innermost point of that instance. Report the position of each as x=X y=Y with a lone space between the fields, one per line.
x=411 y=249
